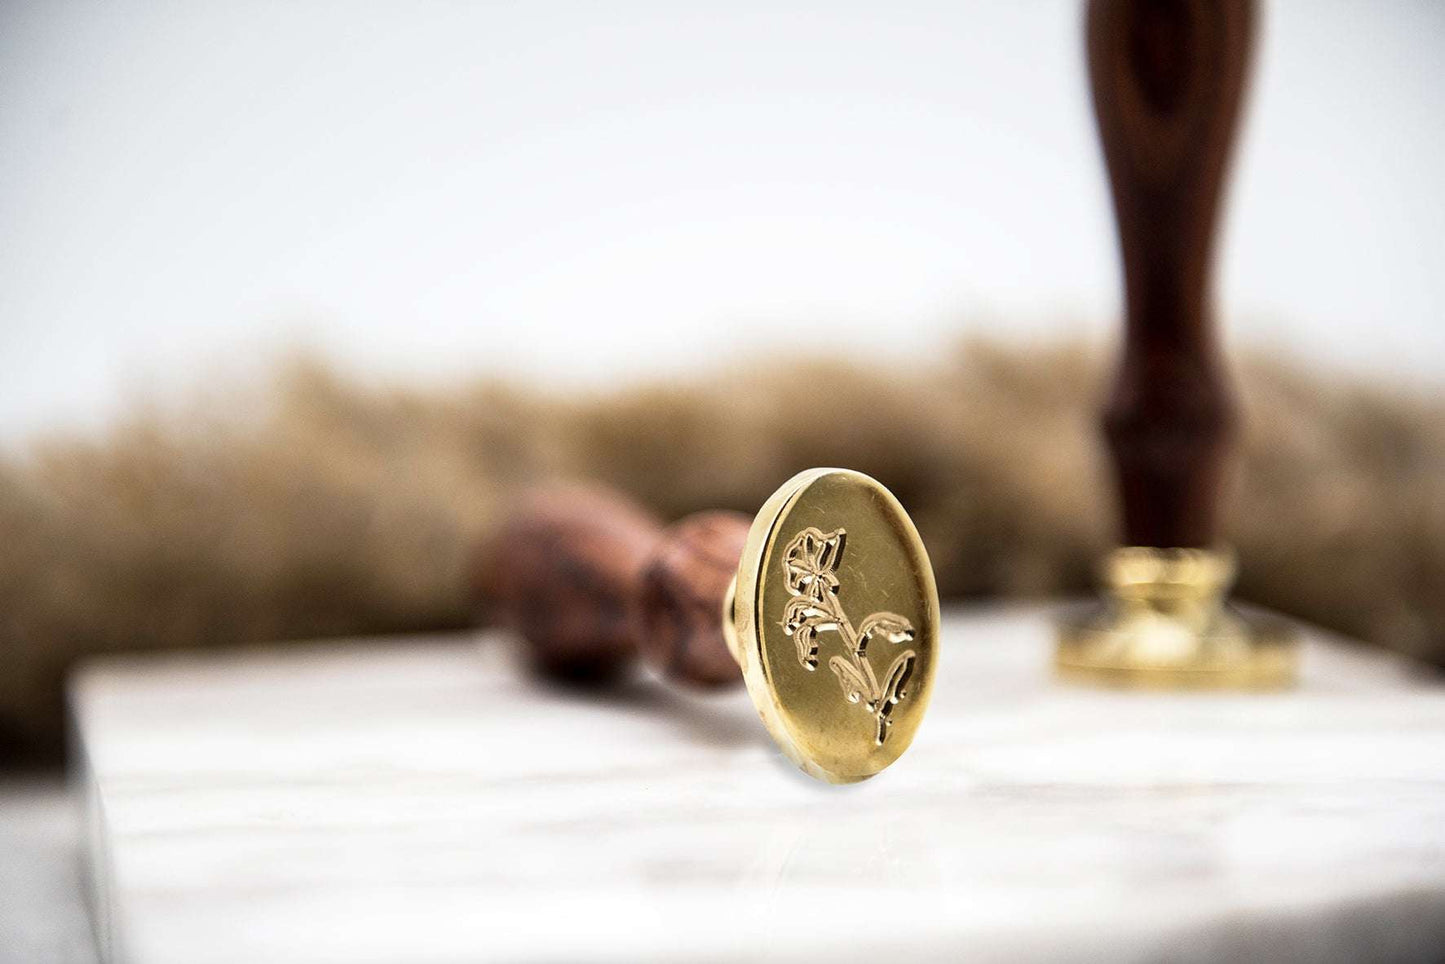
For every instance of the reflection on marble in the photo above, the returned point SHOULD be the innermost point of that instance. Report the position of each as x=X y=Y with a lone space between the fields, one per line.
x=424 y=800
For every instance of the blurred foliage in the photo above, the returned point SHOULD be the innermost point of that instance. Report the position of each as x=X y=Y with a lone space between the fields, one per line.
x=325 y=507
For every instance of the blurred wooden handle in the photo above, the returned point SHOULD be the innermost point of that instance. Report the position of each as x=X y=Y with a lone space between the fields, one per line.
x=591 y=580
x=1168 y=78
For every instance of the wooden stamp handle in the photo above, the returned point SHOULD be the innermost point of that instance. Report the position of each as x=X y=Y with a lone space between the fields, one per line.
x=1168 y=78
x=592 y=580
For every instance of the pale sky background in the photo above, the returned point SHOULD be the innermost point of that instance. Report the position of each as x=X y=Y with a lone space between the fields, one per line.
x=590 y=193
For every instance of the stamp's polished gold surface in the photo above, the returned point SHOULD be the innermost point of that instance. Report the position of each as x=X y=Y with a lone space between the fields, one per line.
x=1164 y=624
x=834 y=620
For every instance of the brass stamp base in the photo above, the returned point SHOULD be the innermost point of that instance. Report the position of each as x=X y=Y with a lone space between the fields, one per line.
x=1164 y=624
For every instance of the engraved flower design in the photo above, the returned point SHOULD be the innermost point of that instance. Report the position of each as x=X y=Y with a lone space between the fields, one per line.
x=810 y=566
x=812 y=560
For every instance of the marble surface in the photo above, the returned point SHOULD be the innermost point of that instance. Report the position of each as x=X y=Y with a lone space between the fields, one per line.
x=425 y=800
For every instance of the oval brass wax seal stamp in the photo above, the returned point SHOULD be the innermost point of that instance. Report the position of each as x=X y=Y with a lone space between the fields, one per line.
x=834 y=621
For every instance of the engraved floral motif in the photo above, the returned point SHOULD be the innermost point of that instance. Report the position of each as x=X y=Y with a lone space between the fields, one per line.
x=810 y=571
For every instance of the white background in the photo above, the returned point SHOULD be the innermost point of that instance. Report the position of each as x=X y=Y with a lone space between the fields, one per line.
x=586 y=193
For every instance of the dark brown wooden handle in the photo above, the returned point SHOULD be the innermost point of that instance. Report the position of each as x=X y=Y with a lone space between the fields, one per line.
x=1168 y=77
x=592 y=580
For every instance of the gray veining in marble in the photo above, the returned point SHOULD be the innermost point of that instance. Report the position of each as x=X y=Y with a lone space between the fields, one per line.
x=424 y=800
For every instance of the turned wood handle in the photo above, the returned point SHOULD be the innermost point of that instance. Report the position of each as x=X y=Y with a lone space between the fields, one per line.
x=1168 y=77
x=592 y=580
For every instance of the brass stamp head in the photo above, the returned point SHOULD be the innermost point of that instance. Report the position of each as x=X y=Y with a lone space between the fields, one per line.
x=1165 y=624
x=833 y=618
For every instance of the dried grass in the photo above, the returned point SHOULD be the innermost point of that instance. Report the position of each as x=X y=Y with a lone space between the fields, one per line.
x=342 y=509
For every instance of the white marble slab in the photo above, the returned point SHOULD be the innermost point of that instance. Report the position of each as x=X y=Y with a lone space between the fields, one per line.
x=424 y=800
